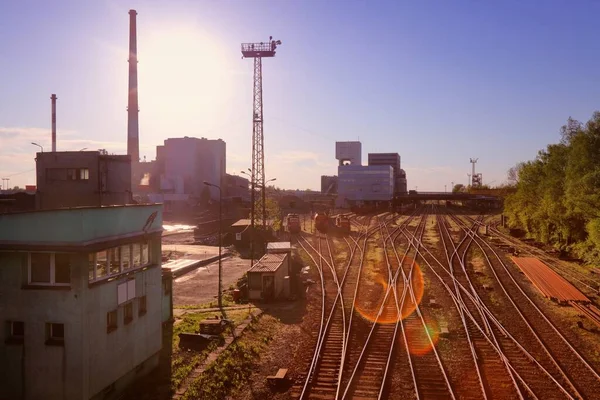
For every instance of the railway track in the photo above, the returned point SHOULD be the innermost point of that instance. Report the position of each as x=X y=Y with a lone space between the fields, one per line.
x=543 y=339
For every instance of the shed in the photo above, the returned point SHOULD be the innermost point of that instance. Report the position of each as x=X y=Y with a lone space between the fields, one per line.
x=269 y=279
x=279 y=247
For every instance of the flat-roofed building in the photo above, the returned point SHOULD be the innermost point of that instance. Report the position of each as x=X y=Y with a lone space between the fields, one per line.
x=393 y=160
x=81 y=300
x=82 y=178
x=358 y=183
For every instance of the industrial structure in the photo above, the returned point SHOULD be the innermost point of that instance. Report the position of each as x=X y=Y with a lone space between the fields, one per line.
x=82 y=178
x=476 y=179
x=377 y=182
x=181 y=166
x=329 y=184
x=257 y=178
x=133 y=139
x=393 y=160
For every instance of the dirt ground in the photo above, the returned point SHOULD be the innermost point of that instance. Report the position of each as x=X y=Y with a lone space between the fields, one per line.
x=200 y=285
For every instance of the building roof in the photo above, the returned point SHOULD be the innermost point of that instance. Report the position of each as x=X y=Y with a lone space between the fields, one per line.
x=282 y=246
x=270 y=262
x=78 y=227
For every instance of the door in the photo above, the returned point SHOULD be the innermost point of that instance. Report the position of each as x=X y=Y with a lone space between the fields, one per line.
x=268 y=287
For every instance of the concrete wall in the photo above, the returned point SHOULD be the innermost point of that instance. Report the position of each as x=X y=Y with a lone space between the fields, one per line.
x=112 y=355
x=349 y=151
x=37 y=370
x=91 y=358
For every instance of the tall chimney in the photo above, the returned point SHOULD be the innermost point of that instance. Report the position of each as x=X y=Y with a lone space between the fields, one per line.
x=53 y=98
x=133 y=144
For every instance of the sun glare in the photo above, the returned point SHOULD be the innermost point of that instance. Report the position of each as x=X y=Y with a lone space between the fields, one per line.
x=182 y=73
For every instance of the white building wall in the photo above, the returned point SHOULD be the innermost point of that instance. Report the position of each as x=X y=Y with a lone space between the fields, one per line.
x=364 y=183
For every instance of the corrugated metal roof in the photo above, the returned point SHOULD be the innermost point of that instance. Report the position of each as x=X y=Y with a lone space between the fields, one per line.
x=279 y=246
x=269 y=263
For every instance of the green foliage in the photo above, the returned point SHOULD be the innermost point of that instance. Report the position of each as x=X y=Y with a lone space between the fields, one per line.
x=558 y=194
x=232 y=368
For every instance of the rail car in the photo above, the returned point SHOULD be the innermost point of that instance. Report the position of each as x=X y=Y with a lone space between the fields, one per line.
x=321 y=222
x=293 y=223
x=342 y=222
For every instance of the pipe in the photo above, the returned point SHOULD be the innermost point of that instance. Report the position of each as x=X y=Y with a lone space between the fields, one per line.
x=53 y=98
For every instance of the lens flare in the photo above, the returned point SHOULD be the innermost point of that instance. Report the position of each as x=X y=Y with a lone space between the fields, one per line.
x=416 y=335
x=369 y=300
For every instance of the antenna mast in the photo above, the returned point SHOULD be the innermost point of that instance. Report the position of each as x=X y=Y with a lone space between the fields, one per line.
x=258 y=51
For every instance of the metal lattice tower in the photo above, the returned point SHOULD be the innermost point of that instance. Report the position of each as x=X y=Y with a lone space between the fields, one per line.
x=257 y=179
x=473 y=179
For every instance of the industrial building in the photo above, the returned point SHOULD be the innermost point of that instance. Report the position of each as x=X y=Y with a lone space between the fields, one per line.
x=393 y=160
x=82 y=178
x=181 y=167
x=379 y=181
x=81 y=299
x=329 y=184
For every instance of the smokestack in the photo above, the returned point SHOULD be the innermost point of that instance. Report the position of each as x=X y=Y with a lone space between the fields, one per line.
x=133 y=145
x=53 y=98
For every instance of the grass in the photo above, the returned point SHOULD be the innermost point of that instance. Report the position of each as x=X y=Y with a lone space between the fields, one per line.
x=232 y=369
x=184 y=361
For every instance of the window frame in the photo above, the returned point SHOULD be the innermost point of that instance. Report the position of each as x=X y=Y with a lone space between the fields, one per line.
x=51 y=339
x=114 y=324
x=93 y=275
x=52 y=271
x=11 y=338
x=127 y=319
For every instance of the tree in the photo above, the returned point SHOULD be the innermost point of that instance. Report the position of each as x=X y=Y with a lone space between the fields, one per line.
x=557 y=200
x=459 y=187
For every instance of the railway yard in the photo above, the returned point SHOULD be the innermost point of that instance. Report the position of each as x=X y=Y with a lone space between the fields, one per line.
x=432 y=304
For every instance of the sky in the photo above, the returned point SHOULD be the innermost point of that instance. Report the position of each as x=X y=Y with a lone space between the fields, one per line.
x=438 y=82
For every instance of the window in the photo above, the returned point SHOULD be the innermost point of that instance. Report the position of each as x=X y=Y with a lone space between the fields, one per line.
x=126 y=291
x=62 y=268
x=126 y=257
x=128 y=313
x=15 y=332
x=92 y=266
x=56 y=174
x=49 y=269
x=55 y=334
x=145 y=259
x=115 y=261
x=142 y=306
x=71 y=174
x=78 y=174
x=137 y=255
x=40 y=268
x=101 y=264
x=111 y=321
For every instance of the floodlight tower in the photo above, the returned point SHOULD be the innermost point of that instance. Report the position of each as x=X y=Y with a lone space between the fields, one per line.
x=473 y=161
x=258 y=51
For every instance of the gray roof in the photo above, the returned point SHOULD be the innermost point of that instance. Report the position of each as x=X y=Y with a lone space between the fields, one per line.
x=270 y=262
x=279 y=246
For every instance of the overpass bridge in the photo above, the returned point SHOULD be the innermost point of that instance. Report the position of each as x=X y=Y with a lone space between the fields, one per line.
x=442 y=196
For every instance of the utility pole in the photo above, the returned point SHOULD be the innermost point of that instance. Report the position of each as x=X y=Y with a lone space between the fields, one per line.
x=258 y=51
